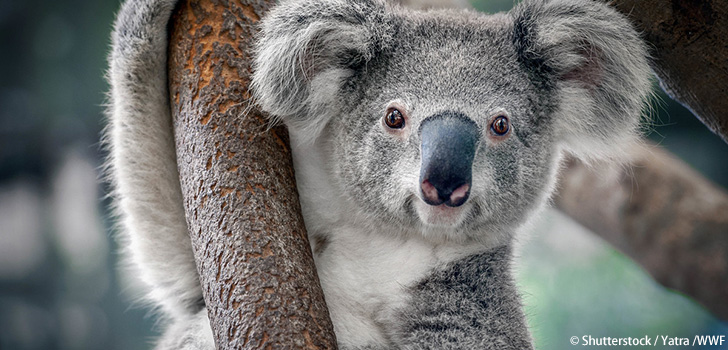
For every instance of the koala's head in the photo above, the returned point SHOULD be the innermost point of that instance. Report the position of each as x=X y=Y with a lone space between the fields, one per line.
x=452 y=121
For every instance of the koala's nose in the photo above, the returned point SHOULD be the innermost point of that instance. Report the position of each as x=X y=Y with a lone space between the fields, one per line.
x=448 y=146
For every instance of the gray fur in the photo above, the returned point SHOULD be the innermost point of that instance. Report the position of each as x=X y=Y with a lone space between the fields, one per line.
x=142 y=161
x=488 y=313
x=570 y=76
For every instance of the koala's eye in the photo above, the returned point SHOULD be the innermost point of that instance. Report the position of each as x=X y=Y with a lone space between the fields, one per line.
x=394 y=119
x=500 y=125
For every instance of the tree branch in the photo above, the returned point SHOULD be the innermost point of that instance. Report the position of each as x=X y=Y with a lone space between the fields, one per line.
x=661 y=213
x=689 y=41
x=253 y=257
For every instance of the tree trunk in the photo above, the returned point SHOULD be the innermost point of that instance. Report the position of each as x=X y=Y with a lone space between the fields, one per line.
x=661 y=213
x=689 y=41
x=243 y=213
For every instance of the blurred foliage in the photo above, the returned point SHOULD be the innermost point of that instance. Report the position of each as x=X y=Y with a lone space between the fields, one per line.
x=575 y=284
x=51 y=115
x=52 y=87
x=51 y=102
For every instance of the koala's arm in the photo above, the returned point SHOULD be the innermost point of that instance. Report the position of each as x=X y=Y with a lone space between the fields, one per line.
x=142 y=163
x=472 y=303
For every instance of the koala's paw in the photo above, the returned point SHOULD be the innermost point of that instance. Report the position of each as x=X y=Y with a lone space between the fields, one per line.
x=192 y=333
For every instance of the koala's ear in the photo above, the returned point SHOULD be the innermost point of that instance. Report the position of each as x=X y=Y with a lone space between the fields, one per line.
x=594 y=61
x=305 y=52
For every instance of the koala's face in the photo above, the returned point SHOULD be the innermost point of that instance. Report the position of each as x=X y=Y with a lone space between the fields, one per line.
x=441 y=131
x=451 y=122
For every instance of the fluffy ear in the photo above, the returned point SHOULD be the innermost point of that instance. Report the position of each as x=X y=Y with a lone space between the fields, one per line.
x=305 y=52
x=597 y=66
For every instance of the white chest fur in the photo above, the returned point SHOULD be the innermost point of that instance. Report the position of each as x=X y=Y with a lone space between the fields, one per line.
x=366 y=276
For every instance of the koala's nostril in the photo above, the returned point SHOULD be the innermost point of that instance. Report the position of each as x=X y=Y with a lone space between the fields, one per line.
x=430 y=194
x=459 y=196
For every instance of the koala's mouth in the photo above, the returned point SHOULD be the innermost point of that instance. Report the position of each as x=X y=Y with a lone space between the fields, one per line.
x=441 y=215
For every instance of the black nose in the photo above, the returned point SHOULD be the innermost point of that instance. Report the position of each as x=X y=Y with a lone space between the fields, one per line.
x=449 y=140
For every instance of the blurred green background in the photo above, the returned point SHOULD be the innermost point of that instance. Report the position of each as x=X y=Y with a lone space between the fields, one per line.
x=59 y=283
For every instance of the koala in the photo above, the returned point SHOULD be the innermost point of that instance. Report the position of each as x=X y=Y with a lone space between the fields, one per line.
x=423 y=143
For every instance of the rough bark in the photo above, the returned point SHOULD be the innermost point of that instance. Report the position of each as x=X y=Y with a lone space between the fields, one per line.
x=661 y=213
x=689 y=42
x=253 y=257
